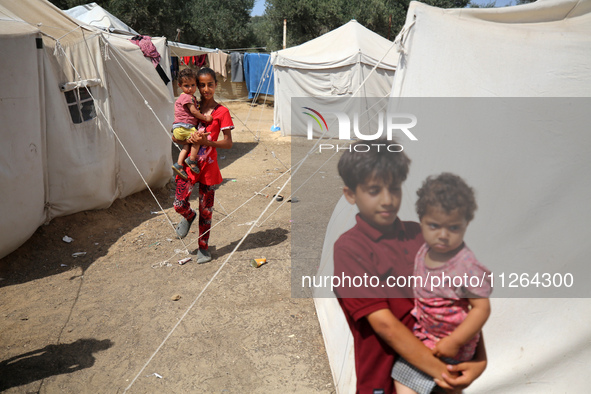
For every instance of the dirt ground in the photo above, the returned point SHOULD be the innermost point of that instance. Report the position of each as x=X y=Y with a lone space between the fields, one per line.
x=107 y=321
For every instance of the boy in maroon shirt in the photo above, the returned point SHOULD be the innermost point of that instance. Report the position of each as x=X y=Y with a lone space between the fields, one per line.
x=366 y=258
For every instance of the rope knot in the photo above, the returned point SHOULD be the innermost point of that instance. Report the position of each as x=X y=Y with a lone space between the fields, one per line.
x=106 y=55
x=59 y=49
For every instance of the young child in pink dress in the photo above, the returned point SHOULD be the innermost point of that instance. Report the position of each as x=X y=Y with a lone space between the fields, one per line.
x=451 y=304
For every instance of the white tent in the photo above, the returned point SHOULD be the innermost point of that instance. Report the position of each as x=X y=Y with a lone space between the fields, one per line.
x=94 y=15
x=65 y=150
x=336 y=64
x=532 y=183
x=535 y=50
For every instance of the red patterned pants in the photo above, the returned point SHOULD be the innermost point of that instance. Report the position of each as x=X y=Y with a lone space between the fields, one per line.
x=183 y=207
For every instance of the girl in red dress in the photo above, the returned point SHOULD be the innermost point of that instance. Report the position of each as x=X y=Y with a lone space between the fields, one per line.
x=209 y=176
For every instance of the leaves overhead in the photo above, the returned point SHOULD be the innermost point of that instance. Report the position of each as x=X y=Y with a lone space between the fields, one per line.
x=227 y=24
x=223 y=24
x=308 y=19
x=220 y=24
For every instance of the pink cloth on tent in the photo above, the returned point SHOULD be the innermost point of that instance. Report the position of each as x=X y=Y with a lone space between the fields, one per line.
x=147 y=47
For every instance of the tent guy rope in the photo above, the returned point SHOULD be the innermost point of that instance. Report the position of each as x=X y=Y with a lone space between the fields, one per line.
x=203 y=290
x=170 y=222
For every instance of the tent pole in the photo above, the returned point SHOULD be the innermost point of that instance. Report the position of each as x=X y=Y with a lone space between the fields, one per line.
x=284 y=33
x=389 y=25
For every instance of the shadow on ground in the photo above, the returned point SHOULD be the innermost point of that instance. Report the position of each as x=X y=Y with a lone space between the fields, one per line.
x=50 y=361
x=31 y=262
x=266 y=238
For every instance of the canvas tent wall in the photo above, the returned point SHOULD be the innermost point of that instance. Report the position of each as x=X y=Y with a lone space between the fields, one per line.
x=22 y=74
x=531 y=184
x=539 y=50
x=333 y=65
x=70 y=167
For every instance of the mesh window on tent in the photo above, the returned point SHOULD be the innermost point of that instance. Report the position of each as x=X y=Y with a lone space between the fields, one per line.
x=80 y=105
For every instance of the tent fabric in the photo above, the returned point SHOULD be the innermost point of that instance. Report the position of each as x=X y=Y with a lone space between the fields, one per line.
x=82 y=165
x=258 y=74
x=534 y=50
x=543 y=47
x=94 y=15
x=22 y=175
x=350 y=60
x=338 y=340
x=180 y=50
x=347 y=45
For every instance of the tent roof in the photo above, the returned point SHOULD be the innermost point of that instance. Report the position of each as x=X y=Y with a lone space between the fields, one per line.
x=95 y=15
x=179 y=49
x=346 y=45
x=49 y=19
x=18 y=27
x=537 y=12
x=539 y=49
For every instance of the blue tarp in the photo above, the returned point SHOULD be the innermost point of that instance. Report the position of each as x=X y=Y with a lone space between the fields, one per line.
x=258 y=73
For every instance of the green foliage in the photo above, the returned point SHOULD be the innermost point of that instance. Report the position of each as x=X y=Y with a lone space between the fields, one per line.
x=490 y=4
x=65 y=4
x=153 y=18
x=223 y=24
x=261 y=31
x=305 y=19
x=376 y=14
x=308 y=19
x=227 y=24
x=448 y=3
x=220 y=24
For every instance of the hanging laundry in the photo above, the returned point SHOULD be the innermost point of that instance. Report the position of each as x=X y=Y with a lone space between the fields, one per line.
x=217 y=62
x=200 y=60
x=236 y=67
x=150 y=51
x=174 y=67
x=258 y=73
